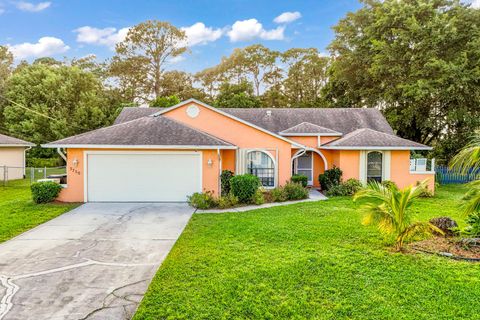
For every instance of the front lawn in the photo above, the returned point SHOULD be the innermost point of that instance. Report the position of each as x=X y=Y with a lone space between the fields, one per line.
x=18 y=213
x=309 y=261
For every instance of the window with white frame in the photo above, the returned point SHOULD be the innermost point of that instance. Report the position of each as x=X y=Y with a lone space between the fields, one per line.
x=260 y=164
x=375 y=166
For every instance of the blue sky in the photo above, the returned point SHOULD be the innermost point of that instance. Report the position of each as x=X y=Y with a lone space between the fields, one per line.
x=77 y=28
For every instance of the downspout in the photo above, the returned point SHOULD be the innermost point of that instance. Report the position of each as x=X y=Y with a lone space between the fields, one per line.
x=219 y=172
x=64 y=157
x=25 y=160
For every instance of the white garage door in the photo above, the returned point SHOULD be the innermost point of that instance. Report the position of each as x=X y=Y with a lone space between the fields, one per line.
x=143 y=177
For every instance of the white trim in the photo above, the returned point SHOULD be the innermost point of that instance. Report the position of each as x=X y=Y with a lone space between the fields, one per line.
x=422 y=172
x=311 y=134
x=127 y=147
x=375 y=148
x=363 y=167
x=386 y=165
x=224 y=114
x=88 y=152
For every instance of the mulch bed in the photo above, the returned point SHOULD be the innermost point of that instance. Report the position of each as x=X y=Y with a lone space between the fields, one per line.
x=455 y=248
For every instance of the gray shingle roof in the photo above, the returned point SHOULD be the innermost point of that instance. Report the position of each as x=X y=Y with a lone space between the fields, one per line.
x=132 y=113
x=145 y=131
x=11 y=141
x=366 y=137
x=309 y=128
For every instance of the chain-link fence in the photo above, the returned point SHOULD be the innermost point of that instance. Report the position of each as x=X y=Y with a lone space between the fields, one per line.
x=31 y=174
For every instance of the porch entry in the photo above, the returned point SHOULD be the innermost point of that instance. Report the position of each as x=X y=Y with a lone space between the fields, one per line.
x=304 y=165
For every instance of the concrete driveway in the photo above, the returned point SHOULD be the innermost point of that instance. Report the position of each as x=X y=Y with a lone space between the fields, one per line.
x=94 y=262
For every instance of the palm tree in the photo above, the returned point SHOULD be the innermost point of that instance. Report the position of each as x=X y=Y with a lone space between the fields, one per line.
x=388 y=208
x=469 y=159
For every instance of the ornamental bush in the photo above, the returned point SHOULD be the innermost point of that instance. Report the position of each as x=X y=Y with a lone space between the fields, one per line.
x=330 y=178
x=278 y=195
x=295 y=191
x=45 y=191
x=201 y=200
x=244 y=187
x=347 y=188
x=228 y=201
x=300 y=178
x=225 y=181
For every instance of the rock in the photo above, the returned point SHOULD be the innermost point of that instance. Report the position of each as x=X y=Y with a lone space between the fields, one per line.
x=446 y=224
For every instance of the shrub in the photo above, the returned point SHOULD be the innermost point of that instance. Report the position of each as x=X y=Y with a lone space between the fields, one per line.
x=425 y=193
x=300 y=178
x=347 y=188
x=225 y=181
x=473 y=225
x=228 y=201
x=330 y=178
x=201 y=200
x=446 y=224
x=45 y=191
x=278 y=195
x=295 y=191
x=44 y=162
x=258 y=197
x=244 y=187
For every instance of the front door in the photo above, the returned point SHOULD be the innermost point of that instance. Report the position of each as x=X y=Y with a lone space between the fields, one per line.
x=304 y=166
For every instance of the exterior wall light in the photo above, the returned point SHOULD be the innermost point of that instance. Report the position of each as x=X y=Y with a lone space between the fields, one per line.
x=75 y=162
x=210 y=162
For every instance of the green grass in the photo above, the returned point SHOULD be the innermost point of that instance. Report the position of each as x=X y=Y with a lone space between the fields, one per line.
x=18 y=213
x=309 y=261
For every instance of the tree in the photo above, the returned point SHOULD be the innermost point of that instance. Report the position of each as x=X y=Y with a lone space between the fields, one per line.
x=165 y=102
x=140 y=59
x=46 y=103
x=6 y=66
x=388 y=208
x=180 y=84
x=418 y=61
x=236 y=96
x=306 y=77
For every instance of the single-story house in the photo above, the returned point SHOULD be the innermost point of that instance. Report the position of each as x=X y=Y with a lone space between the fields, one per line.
x=12 y=157
x=166 y=154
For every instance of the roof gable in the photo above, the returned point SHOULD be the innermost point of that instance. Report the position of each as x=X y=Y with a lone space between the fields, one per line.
x=164 y=111
x=309 y=129
x=145 y=131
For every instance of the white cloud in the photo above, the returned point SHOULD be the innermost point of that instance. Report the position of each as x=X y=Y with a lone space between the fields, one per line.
x=251 y=29
x=106 y=37
x=46 y=46
x=287 y=17
x=198 y=33
x=2 y=10
x=476 y=4
x=31 y=7
x=176 y=59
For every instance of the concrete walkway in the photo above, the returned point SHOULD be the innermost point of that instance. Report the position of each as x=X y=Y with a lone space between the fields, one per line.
x=314 y=195
x=94 y=262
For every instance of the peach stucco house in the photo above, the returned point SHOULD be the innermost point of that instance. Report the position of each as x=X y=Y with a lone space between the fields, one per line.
x=12 y=157
x=155 y=154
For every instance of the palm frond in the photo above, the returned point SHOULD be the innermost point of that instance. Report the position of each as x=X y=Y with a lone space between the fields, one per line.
x=469 y=157
x=472 y=198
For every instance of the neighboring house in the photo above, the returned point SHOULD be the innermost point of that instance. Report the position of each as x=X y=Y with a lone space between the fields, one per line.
x=12 y=157
x=153 y=154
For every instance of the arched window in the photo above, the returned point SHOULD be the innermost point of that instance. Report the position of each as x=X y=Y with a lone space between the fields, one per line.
x=260 y=164
x=374 y=166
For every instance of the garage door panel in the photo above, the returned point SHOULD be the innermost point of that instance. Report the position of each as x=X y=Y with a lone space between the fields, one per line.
x=143 y=177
